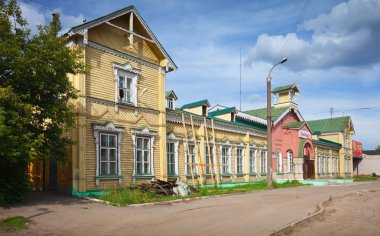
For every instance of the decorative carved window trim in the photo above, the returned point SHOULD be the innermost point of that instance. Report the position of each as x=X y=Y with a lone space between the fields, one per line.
x=147 y=134
x=171 y=138
x=127 y=71
x=109 y=128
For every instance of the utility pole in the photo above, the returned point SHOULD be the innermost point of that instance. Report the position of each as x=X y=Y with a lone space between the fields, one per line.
x=269 y=124
x=240 y=78
x=331 y=111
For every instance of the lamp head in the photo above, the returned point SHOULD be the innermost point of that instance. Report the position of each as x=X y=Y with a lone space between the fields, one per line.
x=283 y=60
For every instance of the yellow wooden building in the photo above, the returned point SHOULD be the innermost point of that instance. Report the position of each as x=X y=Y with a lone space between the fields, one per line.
x=128 y=129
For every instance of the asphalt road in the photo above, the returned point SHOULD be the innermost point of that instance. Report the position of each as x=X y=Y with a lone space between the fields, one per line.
x=255 y=213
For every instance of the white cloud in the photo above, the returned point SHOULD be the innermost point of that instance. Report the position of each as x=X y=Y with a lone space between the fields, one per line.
x=36 y=15
x=346 y=37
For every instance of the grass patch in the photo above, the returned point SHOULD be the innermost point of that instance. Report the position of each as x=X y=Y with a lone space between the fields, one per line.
x=123 y=197
x=364 y=178
x=14 y=223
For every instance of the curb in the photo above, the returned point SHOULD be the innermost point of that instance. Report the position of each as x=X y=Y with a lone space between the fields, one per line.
x=289 y=226
x=177 y=200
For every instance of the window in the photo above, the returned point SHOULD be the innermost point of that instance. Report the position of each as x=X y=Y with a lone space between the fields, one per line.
x=192 y=162
x=336 y=165
x=170 y=103
x=327 y=165
x=125 y=89
x=172 y=154
x=263 y=161
x=226 y=160
x=252 y=160
x=347 y=166
x=108 y=154
x=209 y=159
x=125 y=84
x=107 y=141
x=170 y=150
x=279 y=161
x=143 y=142
x=290 y=162
x=239 y=161
x=143 y=156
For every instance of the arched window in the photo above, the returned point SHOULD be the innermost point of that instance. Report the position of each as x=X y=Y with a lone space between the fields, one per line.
x=290 y=161
x=279 y=161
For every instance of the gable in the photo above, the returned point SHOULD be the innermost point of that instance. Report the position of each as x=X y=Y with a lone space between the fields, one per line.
x=131 y=34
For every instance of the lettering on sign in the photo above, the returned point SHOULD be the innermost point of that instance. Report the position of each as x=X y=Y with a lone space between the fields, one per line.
x=304 y=134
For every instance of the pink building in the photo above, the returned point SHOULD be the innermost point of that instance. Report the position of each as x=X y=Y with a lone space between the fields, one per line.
x=292 y=147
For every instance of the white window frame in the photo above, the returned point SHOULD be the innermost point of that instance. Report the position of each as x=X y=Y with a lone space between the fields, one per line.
x=109 y=128
x=207 y=157
x=170 y=103
x=171 y=138
x=225 y=170
x=290 y=161
x=126 y=71
x=191 y=155
x=242 y=149
x=279 y=161
x=144 y=133
x=263 y=161
x=108 y=149
x=327 y=167
x=252 y=160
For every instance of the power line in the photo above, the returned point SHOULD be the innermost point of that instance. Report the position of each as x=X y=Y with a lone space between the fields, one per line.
x=288 y=40
x=345 y=110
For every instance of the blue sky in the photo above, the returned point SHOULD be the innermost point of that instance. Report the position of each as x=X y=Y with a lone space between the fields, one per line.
x=333 y=56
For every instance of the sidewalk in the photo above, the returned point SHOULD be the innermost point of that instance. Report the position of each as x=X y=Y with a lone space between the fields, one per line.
x=255 y=213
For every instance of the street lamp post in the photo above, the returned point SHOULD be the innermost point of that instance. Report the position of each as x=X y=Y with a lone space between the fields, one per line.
x=269 y=124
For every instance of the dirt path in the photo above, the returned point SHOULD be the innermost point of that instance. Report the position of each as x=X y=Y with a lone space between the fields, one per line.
x=353 y=214
x=255 y=213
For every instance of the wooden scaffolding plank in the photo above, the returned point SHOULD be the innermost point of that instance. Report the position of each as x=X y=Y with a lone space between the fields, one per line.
x=197 y=152
x=216 y=161
x=189 y=163
x=209 y=153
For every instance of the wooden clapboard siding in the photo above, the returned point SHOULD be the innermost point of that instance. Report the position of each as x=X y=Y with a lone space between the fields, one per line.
x=100 y=82
x=127 y=118
x=117 y=39
x=234 y=139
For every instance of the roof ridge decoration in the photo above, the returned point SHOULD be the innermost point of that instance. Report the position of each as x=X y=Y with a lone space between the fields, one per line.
x=83 y=29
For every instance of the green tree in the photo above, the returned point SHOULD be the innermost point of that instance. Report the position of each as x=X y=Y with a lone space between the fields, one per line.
x=377 y=148
x=35 y=68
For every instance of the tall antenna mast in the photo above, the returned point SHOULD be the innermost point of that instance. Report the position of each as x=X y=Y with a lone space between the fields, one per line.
x=240 y=78
x=331 y=111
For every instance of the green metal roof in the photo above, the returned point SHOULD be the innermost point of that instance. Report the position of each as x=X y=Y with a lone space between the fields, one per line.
x=196 y=104
x=168 y=93
x=238 y=123
x=295 y=125
x=285 y=87
x=262 y=113
x=222 y=111
x=329 y=125
x=324 y=142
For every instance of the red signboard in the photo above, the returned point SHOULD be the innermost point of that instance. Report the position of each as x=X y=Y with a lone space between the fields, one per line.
x=357 y=148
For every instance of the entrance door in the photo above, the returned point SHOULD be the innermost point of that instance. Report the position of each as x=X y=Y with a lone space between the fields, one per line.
x=308 y=169
x=52 y=174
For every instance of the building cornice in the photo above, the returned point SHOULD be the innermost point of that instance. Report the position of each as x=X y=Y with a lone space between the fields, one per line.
x=198 y=121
